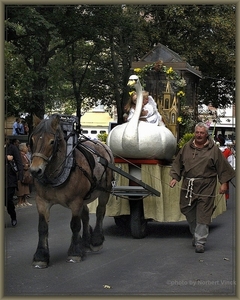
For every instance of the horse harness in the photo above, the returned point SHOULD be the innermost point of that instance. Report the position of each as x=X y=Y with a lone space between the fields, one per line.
x=71 y=137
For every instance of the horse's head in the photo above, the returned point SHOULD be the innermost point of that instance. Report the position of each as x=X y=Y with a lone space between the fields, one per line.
x=44 y=142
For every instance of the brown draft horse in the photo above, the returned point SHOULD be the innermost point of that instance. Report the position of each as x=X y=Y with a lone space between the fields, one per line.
x=67 y=172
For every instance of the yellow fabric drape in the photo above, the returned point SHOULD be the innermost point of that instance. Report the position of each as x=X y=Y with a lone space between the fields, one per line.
x=162 y=209
x=166 y=207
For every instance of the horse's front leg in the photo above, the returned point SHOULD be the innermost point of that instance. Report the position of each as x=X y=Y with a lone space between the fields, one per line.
x=41 y=256
x=97 y=237
x=76 y=251
x=87 y=229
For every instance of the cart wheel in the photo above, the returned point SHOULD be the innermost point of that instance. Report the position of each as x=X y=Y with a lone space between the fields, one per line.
x=137 y=223
x=122 y=221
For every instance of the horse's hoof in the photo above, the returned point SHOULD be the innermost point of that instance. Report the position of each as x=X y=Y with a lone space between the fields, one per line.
x=74 y=259
x=96 y=248
x=39 y=264
x=87 y=249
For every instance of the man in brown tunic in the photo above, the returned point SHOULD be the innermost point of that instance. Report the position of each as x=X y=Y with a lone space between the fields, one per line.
x=200 y=164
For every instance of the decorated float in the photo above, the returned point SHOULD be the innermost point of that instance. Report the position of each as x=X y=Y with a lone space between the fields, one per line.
x=143 y=154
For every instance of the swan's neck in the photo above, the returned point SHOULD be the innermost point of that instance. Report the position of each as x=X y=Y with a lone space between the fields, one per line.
x=130 y=138
x=137 y=112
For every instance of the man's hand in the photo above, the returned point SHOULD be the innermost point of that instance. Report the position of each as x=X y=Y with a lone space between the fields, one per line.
x=9 y=157
x=172 y=183
x=223 y=188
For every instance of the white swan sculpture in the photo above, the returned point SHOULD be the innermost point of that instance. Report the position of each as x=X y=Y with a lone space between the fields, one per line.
x=139 y=139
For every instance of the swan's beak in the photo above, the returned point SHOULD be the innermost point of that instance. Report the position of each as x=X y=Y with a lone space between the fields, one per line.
x=131 y=82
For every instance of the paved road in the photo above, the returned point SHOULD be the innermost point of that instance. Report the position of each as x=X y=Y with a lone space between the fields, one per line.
x=162 y=264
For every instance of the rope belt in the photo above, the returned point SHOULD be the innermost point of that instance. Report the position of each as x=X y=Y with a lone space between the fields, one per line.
x=190 y=189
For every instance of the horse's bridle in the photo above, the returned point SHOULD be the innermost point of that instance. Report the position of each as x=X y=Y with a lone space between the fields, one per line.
x=55 y=147
x=47 y=159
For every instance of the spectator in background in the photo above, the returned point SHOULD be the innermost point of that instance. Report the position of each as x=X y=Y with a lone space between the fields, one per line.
x=12 y=175
x=221 y=139
x=23 y=188
x=22 y=127
x=26 y=128
x=29 y=152
x=228 y=154
x=15 y=142
x=16 y=127
x=29 y=156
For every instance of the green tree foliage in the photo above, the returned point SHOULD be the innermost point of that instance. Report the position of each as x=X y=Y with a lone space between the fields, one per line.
x=120 y=29
x=17 y=81
x=35 y=39
x=205 y=36
x=74 y=55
